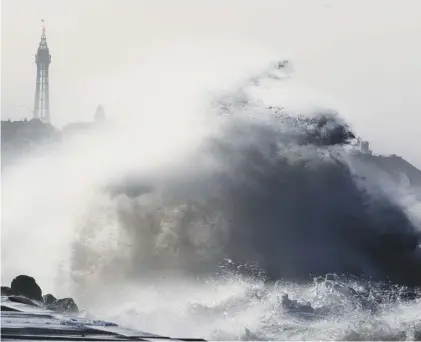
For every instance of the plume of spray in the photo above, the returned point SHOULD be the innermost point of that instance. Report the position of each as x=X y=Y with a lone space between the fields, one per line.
x=268 y=188
x=252 y=188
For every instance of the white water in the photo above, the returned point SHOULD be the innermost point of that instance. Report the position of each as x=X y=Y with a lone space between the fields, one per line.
x=225 y=309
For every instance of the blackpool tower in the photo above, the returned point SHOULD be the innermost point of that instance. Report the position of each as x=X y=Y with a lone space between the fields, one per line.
x=42 y=95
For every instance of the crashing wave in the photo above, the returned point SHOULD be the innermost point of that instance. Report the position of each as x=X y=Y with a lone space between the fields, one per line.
x=281 y=191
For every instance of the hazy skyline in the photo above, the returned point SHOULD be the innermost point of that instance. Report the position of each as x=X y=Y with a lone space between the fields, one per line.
x=360 y=57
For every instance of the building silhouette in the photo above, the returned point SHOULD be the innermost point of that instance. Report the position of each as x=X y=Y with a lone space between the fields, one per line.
x=99 y=114
x=87 y=126
x=42 y=91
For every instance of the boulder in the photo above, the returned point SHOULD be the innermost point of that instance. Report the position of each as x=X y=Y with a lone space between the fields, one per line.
x=64 y=305
x=27 y=287
x=7 y=291
x=49 y=299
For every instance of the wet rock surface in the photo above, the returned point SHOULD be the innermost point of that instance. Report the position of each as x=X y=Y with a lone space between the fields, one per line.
x=26 y=288
x=7 y=291
x=49 y=299
x=64 y=305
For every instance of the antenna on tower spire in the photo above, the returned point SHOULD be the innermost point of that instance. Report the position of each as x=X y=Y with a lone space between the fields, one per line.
x=43 y=36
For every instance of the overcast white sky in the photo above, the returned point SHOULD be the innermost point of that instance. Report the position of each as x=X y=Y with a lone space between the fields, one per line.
x=362 y=56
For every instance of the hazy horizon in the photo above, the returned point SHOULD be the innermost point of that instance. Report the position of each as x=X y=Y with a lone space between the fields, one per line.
x=359 y=58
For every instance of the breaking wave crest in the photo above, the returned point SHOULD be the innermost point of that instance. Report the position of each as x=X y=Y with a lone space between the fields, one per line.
x=283 y=192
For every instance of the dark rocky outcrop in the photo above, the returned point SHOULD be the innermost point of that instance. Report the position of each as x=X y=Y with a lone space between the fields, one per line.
x=27 y=287
x=49 y=299
x=67 y=305
x=7 y=291
x=23 y=300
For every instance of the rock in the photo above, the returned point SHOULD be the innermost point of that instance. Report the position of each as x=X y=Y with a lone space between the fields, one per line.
x=7 y=291
x=49 y=299
x=24 y=300
x=67 y=305
x=27 y=287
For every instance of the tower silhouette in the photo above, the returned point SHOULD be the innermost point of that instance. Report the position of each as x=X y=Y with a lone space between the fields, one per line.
x=42 y=95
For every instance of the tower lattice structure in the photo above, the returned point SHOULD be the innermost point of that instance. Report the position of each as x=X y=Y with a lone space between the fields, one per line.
x=42 y=91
